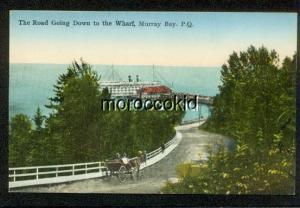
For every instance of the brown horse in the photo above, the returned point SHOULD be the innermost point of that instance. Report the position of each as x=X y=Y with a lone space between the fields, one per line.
x=135 y=163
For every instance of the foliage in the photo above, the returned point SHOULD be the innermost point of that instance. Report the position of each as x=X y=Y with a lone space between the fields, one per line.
x=20 y=139
x=256 y=108
x=78 y=130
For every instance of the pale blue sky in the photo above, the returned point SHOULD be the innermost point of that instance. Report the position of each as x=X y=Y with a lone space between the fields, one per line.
x=209 y=42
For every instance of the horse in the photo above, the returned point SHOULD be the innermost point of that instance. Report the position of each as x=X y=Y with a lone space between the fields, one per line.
x=134 y=163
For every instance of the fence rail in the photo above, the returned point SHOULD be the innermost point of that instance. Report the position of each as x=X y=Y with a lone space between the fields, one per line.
x=193 y=121
x=159 y=150
x=53 y=171
x=37 y=175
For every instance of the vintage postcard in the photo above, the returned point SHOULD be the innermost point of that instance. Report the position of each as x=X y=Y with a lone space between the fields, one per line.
x=152 y=102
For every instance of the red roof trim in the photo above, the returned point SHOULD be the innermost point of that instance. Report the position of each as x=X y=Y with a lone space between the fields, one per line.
x=156 y=89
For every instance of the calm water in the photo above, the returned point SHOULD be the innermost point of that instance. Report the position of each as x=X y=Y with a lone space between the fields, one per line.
x=32 y=84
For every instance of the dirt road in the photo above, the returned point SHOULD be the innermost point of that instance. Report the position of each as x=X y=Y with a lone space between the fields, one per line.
x=194 y=145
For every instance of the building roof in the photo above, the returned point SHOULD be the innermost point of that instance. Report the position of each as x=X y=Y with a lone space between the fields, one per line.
x=156 y=89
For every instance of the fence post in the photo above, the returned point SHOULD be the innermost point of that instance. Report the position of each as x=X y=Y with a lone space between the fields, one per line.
x=85 y=168
x=37 y=173
x=73 y=170
x=14 y=178
x=56 y=172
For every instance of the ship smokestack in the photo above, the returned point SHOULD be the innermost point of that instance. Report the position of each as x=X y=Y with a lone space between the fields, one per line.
x=129 y=78
x=137 y=78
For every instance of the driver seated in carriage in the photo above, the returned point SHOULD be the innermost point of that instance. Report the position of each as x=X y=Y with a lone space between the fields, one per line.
x=118 y=156
x=125 y=159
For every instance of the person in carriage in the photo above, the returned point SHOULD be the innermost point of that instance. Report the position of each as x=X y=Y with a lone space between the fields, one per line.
x=118 y=156
x=125 y=159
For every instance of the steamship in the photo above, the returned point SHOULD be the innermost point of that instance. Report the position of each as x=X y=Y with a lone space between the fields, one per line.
x=135 y=88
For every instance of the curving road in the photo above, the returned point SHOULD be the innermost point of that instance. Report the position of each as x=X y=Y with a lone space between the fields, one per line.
x=195 y=145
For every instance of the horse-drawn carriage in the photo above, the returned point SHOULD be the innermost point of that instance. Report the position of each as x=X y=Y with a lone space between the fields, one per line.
x=122 y=169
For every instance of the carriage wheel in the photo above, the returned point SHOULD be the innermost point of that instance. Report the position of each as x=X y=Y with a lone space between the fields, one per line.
x=108 y=175
x=122 y=174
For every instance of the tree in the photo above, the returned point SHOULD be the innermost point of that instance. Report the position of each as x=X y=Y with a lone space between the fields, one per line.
x=38 y=119
x=19 y=140
x=76 y=114
x=38 y=152
x=256 y=108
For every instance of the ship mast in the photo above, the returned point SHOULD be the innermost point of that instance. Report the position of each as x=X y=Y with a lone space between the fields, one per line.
x=112 y=71
x=153 y=72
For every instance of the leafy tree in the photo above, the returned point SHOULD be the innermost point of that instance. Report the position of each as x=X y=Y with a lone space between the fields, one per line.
x=19 y=140
x=256 y=108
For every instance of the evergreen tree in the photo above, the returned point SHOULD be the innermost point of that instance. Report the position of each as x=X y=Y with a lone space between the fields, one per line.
x=37 y=155
x=38 y=119
x=77 y=107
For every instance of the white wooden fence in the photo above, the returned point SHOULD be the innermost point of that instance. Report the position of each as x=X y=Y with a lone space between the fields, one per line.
x=50 y=174
x=38 y=175
x=193 y=121
x=159 y=150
